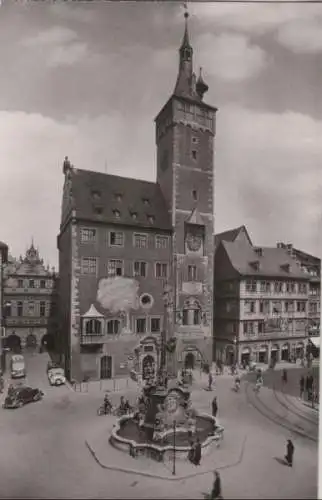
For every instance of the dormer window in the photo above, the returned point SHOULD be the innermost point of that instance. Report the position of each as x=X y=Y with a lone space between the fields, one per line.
x=146 y=201
x=98 y=210
x=259 y=252
x=151 y=219
x=286 y=267
x=116 y=214
x=255 y=265
x=134 y=215
x=118 y=196
x=96 y=195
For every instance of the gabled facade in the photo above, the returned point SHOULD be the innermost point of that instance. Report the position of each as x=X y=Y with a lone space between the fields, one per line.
x=136 y=257
x=261 y=301
x=30 y=299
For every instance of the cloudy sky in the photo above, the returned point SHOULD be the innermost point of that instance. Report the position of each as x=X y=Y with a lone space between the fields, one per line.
x=87 y=79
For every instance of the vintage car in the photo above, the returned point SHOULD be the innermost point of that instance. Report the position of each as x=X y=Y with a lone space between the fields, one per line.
x=51 y=365
x=22 y=395
x=17 y=366
x=56 y=376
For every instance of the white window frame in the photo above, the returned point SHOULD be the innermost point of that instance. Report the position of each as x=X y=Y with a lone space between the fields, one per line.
x=160 y=320
x=116 y=261
x=145 y=318
x=110 y=244
x=113 y=319
x=161 y=238
x=140 y=235
x=194 y=275
x=155 y=270
x=92 y=259
x=88 y=240
x=42 y=302
x=146 y=269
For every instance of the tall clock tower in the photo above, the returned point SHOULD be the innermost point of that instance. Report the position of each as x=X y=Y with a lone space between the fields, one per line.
x=185 y=129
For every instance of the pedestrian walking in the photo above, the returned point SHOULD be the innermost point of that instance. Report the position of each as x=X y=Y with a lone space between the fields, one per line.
x=216 y=488
x=284 y=376
x=197 y=452
x=289 y=453
x=210 y=381
x=214 y=406
x=302 y=384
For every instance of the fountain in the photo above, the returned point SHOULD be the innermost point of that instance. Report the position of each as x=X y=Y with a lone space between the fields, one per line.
x=165 y=423
x=166 y=420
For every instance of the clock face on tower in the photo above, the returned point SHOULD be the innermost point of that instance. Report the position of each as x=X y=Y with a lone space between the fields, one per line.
x=194 y=242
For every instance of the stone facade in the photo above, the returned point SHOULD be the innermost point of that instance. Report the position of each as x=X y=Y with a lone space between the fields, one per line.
x=261 y=297
x=136 y=258
x=30 y=299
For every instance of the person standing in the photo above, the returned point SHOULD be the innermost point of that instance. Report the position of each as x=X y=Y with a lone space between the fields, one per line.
x=289 y=453
x=216 y=488
x=197 y=452
x=284 y=376
x=302 y=384
x=210 y=381
x=214 y=407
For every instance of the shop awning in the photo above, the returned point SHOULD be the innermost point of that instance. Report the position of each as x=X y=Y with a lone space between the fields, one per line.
x=262 y=349
x=315 y=341
x=245 y=350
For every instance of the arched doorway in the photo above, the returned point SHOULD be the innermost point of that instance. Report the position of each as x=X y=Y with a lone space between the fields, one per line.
x=285 y=355
x=299 y=350
x=189 y=361
x=13 y=343
x=245 y=355
x=31 y=341
x=274 y=353
x=48 y=342
x=148 y=367
x=263 y=354
x=106 y=367
x=230 y=355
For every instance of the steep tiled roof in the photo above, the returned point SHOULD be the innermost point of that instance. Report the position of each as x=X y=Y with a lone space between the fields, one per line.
x=229 y=235
x=121 y=200
x=270 y=261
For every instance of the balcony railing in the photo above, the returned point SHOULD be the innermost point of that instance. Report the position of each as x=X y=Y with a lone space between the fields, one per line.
x=95 y=338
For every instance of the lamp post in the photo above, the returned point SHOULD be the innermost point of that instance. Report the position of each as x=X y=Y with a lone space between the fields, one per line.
x=174 y=447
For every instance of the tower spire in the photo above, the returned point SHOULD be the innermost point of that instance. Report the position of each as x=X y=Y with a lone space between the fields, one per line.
x=185 y=81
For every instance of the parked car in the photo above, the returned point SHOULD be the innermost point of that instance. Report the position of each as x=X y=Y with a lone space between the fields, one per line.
x=56 y=376
x=51 y=365
x=21 y=396
x=17 y=366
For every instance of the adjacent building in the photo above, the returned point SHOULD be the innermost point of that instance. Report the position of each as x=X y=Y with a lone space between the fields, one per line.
x=3 y=261
x=136 y=257
x=30 y=300
x=261 y=300
x=312 y=267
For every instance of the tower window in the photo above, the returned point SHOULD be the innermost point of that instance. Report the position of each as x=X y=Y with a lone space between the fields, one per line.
x=194 y=154
x=118 y=196
x=195 y=140
x=195 y=194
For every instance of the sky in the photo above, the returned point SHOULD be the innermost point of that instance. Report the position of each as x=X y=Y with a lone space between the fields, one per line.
x=86 y=79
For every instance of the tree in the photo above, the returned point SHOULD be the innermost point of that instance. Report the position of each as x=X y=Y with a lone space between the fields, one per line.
x=119 y=295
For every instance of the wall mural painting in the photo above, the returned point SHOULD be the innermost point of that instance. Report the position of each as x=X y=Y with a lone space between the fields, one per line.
x=119 y=295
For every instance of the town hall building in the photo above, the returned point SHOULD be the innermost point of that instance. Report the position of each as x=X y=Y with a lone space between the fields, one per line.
x=136 y=257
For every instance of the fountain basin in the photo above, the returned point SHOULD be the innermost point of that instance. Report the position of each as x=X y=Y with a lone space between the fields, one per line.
x=130 y=438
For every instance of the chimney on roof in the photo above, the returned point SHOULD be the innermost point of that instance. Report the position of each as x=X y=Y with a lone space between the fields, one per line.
x=286 y=267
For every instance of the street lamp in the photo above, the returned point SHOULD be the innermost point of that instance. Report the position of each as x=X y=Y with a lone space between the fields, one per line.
x=174 y=447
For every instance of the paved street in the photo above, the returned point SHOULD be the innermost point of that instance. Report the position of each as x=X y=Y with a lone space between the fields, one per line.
x=43 y=455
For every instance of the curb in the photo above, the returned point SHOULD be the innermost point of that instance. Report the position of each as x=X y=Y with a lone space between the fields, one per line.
x=167 y=478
